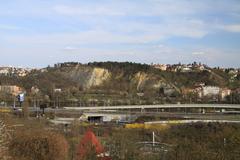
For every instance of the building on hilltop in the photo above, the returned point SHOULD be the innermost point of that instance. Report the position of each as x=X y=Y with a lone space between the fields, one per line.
x=162 y=67
x=4 y=71
x=13 y=71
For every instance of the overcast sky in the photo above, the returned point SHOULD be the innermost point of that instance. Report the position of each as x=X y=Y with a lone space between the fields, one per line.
x=36 y=33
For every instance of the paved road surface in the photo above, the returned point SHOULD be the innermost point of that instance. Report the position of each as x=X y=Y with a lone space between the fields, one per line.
x=164 y=106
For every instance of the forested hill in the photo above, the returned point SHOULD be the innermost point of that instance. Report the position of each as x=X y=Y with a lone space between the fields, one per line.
x=124 y=82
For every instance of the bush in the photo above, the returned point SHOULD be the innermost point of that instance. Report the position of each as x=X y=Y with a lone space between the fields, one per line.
x=38 y=145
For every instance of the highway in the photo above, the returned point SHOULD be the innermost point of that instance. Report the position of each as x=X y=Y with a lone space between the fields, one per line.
x=235 y=108
x=163 y=106
x=192 y=121
x=218 y=112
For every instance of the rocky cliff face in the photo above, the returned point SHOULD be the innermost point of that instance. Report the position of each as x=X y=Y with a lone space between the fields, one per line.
x=97 y=77
x=140 y=79
x=87 y=77
x=146 y=81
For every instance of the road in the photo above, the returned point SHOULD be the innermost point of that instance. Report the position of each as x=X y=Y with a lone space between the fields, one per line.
x=137 y=108
x=163 y=106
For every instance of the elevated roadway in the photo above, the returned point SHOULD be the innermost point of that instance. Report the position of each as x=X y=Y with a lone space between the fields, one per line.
x=228 y=107
x=163 y=106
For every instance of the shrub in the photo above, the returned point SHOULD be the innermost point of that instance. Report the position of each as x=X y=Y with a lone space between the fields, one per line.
x=38 y=145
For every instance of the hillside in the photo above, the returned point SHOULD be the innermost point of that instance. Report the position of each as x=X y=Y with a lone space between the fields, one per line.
x=117 y=83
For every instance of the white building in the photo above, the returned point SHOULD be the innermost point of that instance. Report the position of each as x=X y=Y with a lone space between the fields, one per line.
x=162 y=67
x=4 y=71
x=210 y=91
x=186 y=69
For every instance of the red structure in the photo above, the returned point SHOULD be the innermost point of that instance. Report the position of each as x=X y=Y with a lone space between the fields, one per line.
x=89 y=144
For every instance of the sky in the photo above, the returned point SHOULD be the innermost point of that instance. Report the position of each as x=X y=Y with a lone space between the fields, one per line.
x=37 y=33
